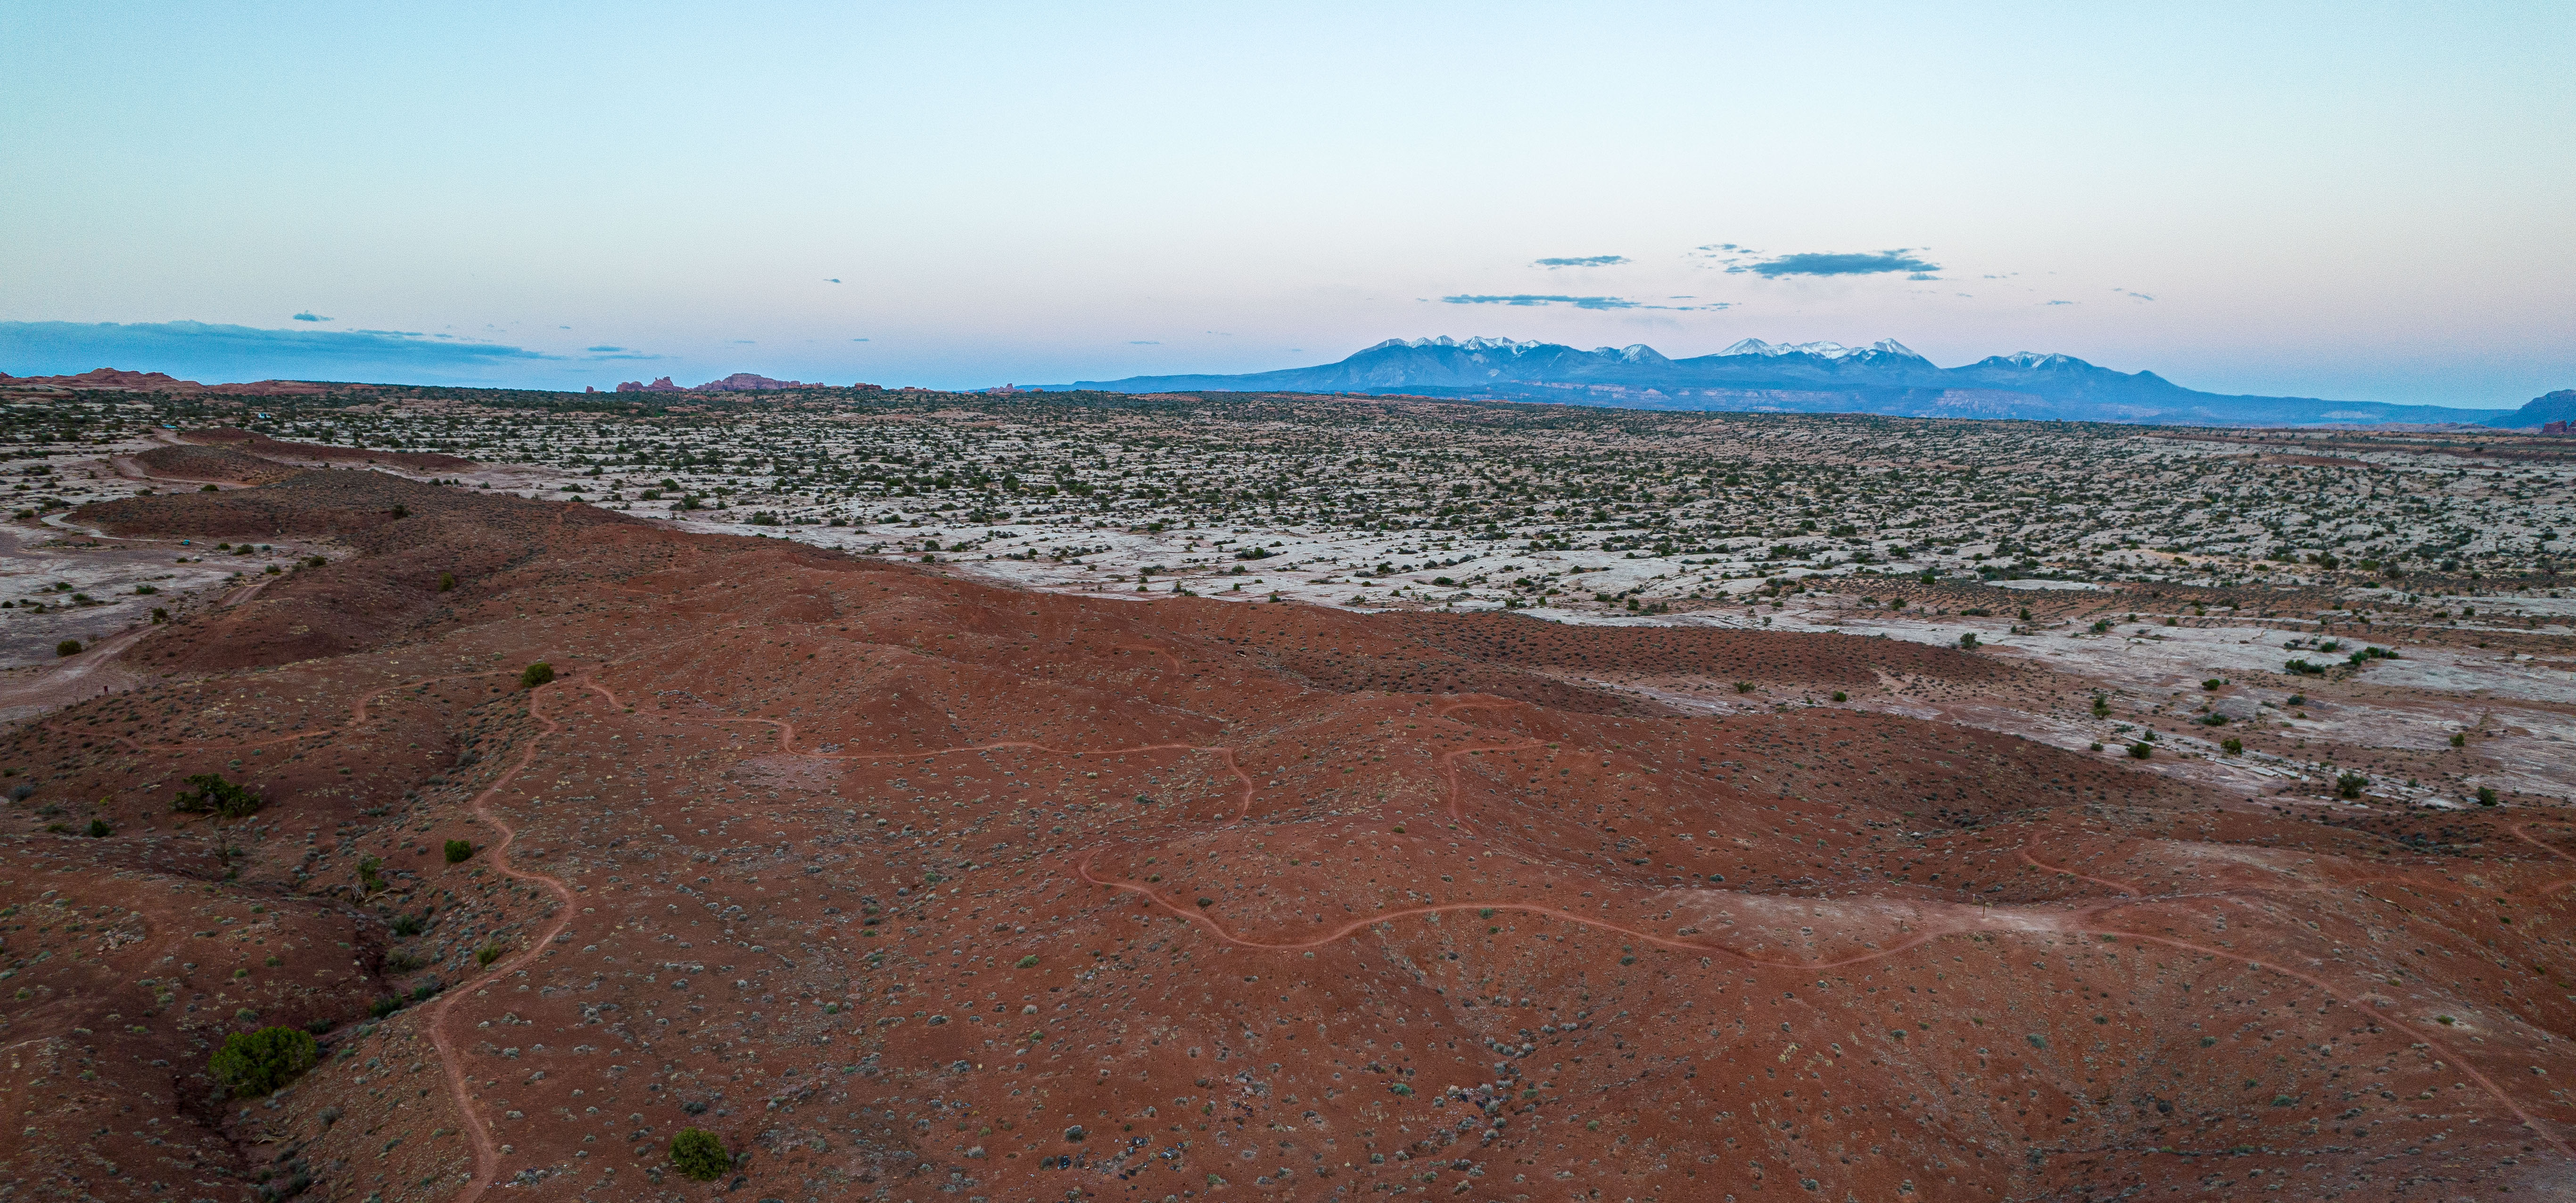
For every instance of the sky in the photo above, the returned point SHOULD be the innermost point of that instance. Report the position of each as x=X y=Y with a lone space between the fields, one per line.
x=2353 y=201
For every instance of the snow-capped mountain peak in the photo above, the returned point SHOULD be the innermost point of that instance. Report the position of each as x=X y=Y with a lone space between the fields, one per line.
x=2035 y=359
x=1821 y=350
x=1463 y=344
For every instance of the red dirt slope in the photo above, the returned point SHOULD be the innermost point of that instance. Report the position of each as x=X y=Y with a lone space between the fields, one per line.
x=261 y=445
x=908 y=887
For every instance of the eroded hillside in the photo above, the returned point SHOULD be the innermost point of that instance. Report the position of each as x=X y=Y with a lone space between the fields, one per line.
x=906 y=885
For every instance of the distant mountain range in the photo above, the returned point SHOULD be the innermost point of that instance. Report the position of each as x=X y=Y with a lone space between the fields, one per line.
x=1884 y=377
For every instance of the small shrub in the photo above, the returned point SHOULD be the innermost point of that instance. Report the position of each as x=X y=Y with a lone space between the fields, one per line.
x=2350 y=785
x=1840 y=696
x=458 y=851
x=99 y=828
x=2232 y=746
x=210 y=794
x=2459 y=740
x=2140 y=751
x=1968 y=641
x=700 y=1154
x=2486 y=795
x=2101 y=706
x=446 y=582
x=489 y=953
x=1027 y=962
x=536 y=674
x=410 y=925
x=68 y=647
x=1744 y=687
x=256 y=1063
x=2212 y=684
x=371 y=877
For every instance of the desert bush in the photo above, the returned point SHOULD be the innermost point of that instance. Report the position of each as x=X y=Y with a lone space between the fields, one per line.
x=210 y=794
x=255 y=1063
x=700 y=1154
x=536 y=674
x=68 y=647
x=2350 y=785
x=458 y=851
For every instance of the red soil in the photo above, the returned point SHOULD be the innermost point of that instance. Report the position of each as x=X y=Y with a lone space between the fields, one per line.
x=214 y=465
x=265 y=447
x=908 y=887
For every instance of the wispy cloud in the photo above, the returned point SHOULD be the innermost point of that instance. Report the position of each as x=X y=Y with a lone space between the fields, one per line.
x=2060 y=302
x=216 y=353
x=603 y=348
x=1738 y=259
x=2138 y=296
x=1867 y=263
x=1585 y=261
x=1143 y=342
x=1532 y=298
x=310 y=316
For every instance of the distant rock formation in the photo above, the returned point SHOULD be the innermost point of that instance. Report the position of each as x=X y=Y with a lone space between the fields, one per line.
x=163 y=382
x=739 y=382
x=2541 y=411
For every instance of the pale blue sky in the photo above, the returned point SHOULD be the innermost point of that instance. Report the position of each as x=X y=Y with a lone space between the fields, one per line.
x=2351 y=201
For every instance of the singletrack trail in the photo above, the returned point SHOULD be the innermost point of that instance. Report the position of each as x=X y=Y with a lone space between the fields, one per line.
x=2036 y=863
x=486 y=1157
x=2426 y=1037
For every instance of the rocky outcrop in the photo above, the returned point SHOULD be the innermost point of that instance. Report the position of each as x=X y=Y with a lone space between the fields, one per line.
x=739 y=382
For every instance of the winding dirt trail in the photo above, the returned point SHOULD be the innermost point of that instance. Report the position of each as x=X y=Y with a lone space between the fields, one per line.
x=2426 y=1037
x=2036 y=863
x=787 y=744
x=486 y=1157
x=1082 y=868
